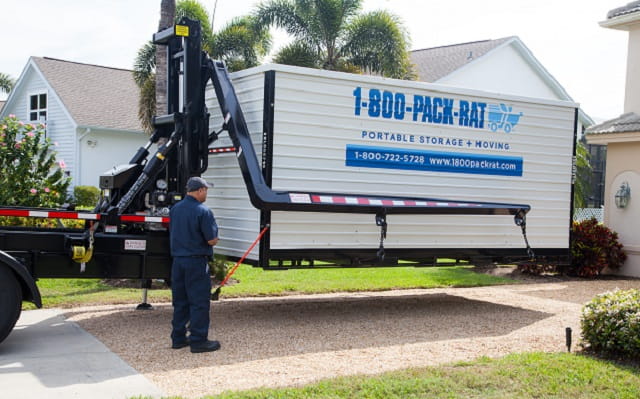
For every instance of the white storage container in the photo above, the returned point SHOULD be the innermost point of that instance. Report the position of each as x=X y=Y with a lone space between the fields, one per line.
x=331 y=132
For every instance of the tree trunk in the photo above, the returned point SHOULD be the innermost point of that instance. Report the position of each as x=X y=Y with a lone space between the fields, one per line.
x=167 y=16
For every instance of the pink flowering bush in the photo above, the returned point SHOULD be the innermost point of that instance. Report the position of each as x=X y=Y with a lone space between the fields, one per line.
x=30 y=175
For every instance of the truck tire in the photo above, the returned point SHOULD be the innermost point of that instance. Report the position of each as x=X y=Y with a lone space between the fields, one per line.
x=10 y=301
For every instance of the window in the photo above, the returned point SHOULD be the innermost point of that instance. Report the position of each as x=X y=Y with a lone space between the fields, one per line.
x=38 y=107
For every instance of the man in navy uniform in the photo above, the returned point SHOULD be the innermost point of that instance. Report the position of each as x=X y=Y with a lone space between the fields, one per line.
x=193 y=232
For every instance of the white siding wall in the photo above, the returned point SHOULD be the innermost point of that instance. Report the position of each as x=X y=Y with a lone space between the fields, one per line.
x=239 y=221
x=101 y=150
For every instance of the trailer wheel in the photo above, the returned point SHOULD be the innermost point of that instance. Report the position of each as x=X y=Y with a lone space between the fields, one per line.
x=10 y=301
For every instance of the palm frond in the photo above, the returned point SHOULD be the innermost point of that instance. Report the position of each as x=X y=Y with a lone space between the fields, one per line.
x=147 y=103
x=6 y=83
x=283 y=14
x=241 y=43
x=144 y=64
x=378 y=43
x=299 y=54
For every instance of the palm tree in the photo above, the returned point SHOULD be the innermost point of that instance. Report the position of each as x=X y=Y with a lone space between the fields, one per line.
x=239 y=43
x=6 y=83
x=167 y=16
x=332 y=34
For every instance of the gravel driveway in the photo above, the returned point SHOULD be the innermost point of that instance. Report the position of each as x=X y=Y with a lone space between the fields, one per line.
x=272 y=342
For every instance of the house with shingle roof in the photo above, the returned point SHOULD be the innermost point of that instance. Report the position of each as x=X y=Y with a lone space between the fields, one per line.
x=503 y=65
x=507 y=66
x=88 y=110
x=621 y=135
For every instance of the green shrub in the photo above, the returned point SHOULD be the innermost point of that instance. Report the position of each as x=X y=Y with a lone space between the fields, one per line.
x=537 y=268
x=86 y=195
x=41 y=222
x=29 y=172
x=593 y=247
x=611 y=323
x=219 y=268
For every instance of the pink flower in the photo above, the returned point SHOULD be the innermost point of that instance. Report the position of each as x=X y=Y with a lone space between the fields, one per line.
x=62 y=164
x=55 y=143
x=12 y=116
x=21 y=123
x=46 y=189
x=30 y=134
x=33 y=191
x=17 y=145
x=3 y=127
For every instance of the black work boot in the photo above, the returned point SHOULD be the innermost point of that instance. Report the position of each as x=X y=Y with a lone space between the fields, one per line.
x=204 y=346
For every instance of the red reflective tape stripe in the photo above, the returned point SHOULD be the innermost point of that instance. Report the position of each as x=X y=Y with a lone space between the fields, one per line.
x=13 y=212
x=132 y=218
x=62 y=215
x=363 y=201
x=387 y=202
x=140 y=218
x=339 y=200
x=315 y=198
x=410 y=203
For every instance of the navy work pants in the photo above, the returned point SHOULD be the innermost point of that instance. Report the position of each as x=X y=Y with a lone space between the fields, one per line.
x=191 y=292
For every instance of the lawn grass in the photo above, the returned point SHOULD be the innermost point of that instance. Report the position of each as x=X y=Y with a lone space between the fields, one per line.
x=255 y=281
x=250 y=281
x=69 y=292
x=533 y=375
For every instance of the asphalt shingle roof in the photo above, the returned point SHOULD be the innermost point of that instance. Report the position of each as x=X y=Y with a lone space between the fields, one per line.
x=435 y=63
x=629 y=122
x=94 y=95
x=628 y=9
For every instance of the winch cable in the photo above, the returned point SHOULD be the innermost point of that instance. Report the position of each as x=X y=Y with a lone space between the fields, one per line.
x=215 y=296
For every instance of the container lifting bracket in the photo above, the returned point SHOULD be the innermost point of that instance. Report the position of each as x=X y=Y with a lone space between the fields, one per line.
x=520 y=219
x=213 y=136
x=381 y=220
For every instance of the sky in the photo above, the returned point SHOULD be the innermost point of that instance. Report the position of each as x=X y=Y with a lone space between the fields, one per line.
x=587 y=60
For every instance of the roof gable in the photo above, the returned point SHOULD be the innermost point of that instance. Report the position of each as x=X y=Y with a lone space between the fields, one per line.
x=94 y=96
x=437 y=63
x=432 y=64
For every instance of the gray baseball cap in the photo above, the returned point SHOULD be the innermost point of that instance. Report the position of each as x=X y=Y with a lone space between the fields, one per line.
x=196 y=183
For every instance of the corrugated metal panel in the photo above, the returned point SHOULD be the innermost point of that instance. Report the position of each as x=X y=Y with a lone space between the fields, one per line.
x=238 y=220
x=316 y=121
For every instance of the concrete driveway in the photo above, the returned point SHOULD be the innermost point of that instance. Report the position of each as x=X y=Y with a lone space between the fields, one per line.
x=47 y=356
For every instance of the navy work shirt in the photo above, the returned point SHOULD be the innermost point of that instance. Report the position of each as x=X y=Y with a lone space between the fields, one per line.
x=192 y=224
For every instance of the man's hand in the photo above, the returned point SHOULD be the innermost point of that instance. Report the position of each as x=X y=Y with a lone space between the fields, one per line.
x=213 y=242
